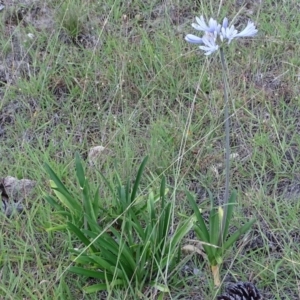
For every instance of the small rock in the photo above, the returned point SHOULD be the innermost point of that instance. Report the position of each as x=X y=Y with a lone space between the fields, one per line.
x=30 y=35
x=94 y=153
x=13 y=192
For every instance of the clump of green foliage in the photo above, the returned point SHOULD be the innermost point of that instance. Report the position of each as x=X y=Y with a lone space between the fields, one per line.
x=71 y=17
x=133 y=250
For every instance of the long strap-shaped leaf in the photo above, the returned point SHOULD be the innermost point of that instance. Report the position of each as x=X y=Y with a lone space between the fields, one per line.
x=233 y=238
x=226 y=222
x=138 y=178
x=79 y=171
x=214 y=231
x=81 y=236
x=72 y=203
x=202 y=227
x=126 y=252
x=54 y=203
x=89 y=273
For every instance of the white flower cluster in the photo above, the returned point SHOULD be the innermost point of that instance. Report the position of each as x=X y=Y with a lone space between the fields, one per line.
x=213 y=29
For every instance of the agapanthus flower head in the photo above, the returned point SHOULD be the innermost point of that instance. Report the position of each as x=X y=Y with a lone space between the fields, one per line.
x=215 y=33
x=249 y=31
x=193 y=39
x=225 y=23
x=209 y=41
x=228 y=33
x=231 y=33
x=201 y=25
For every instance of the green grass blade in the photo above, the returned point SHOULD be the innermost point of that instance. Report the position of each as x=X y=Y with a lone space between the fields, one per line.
x=206 y=245
x=67 y=200
x=56 y=228
x=54 y=203
x=126 y=252
x=79 y=170
x=78 y=258
x=145 y=254
x=164 y=224
x=179 y=234
x=81 y=236
x=89 y=273
x=63 y=213
x=162 y=192
x=233 y=238
x=122 y=199
x=165 y=217
x=93 y=225
x=107 y=266
x=137 y=226
x=230 y=207
x=60 y=186
x=104 y=242
x=200 y=220
x=111 y=254
x=160 y=287
x=138 y=179
x=61 y=191
x=95 y=288
x=151 y=209
x=214 y=227
x=110 y=186
x=211 y=199
x=96 y=202
x=103 y=286
x=113 y=259
x=114 y=251
x=88 y=202
x=127 y=193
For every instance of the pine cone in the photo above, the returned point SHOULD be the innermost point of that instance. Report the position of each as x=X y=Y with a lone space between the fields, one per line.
x=241 y=291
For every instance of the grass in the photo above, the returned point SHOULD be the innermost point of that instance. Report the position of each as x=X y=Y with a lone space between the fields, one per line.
x=120 y=75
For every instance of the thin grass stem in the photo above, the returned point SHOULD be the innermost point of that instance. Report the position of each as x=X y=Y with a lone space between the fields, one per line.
x=227 y=141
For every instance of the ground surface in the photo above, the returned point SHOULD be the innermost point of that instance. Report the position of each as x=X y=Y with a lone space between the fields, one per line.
x=125 y=79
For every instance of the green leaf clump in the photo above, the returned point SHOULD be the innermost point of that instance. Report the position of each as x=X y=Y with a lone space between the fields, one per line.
x=136 y=253
x=213 y=237
x=135 y=248
x=76 y=208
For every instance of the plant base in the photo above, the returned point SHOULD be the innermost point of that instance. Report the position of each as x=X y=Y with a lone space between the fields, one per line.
x=216 y=275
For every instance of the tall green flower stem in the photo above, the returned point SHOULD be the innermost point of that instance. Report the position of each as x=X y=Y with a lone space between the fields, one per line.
x=227 y=143
x=214 y=235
